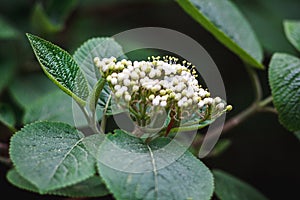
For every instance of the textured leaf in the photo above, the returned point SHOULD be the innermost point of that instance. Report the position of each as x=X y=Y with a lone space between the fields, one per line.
x=51 y=155
x=60 y=67
x=7 y=116
x=91 y=187
x=7 y=31
x=54 y=106
x=228 y=187
x=224 y=20
x=133 y=170
x=284 y=79
x=26 y=89
x=292 y=31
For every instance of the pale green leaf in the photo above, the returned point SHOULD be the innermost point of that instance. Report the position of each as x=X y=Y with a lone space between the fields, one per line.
x=228 y=187
x=91 y=187
x=54 y=106
x=292 y=31
x=95 y=47
x=284 y=79
x=103 y=48
x=26 y=89
x=60 y=67
x=133 y=170
x=51 y=155
x=224 y=20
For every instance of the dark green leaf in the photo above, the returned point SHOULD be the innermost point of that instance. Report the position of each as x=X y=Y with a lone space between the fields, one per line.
x=284 y=79
x=224 y=20
x=51 y=155
x=6 y=73
x=7 y=116
x=60 y=67
x=292 y=31
x=266 y=16
x=7 y=31
x=228 y=187
x=51 y=17
x=133 y=170
x=26 y=89
x=91 y=187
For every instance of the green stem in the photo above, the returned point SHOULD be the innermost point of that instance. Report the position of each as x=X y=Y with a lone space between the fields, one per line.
x=266 y=101
x=255 y=82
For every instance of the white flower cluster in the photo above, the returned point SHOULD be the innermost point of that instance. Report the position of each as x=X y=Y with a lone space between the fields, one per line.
x=163 y=83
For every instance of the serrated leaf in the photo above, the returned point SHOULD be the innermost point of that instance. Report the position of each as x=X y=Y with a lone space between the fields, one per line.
x=26 y=89
x=228 y=187
x=60 y=67
x=284 y=79
x=292 y=31
x=7 y=116
x=92 y=187
x=54 y=106
x=51 y=155
x=133 y=170
x=7 y=31
x=224 y=20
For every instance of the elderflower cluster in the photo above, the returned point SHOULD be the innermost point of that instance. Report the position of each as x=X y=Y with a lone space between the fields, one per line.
x=160 y=83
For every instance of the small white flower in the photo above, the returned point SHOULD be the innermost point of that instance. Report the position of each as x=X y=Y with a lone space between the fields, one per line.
x=163 y=103
x=220 y=106
x=127 y=97
x=126 y=82
x=201 y=104
x=114 y=81
x=155 y=102
x=208 y=101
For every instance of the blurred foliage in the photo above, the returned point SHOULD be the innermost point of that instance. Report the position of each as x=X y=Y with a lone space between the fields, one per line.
x=69 y=23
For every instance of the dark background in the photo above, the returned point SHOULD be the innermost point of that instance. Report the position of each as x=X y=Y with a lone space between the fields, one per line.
x=262 y=152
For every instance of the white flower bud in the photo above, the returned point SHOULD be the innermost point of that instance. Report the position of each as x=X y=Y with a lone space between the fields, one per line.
x=117 y=87
x=217 y=100
x=151 y=97
x=163 y=103
x=208 y=101
x=155 y=102
x=126 y=82
x=127 y=97
x=201 y=104
x=220 y=106
x=134 y=75
x=114 y=81
x=135 y=88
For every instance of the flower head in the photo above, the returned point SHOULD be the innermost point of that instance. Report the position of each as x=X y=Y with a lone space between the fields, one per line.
x=159 y=83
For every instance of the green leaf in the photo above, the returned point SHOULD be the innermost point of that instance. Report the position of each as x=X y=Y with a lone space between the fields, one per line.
x=7 y=116
x=84 y=56
x=60 y=67
x=224 y=20
x=228 y=187
x=95 y=47
x=284 y=79
x=51 y=17
x=51 y=155
x=7 y=70
x=54 y=106
x=133 y=170
x=7 y=31
x=292 y=31
x=26 y=89
x=91 y=187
